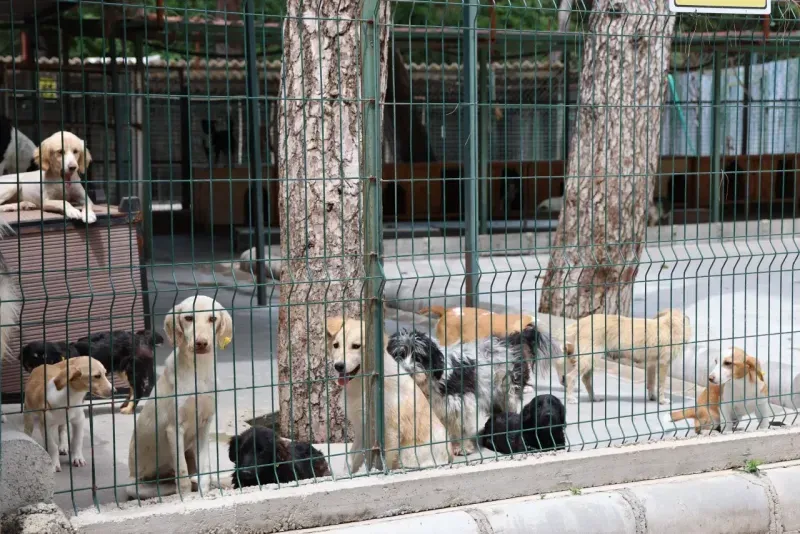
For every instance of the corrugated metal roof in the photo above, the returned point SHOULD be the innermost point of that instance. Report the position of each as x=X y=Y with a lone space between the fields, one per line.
x=234 y=69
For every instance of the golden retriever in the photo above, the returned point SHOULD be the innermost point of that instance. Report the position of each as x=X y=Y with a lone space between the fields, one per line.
x=54 y=395
x=413 y=435
x=652 y=342
x=171 y=436
x=56 y=188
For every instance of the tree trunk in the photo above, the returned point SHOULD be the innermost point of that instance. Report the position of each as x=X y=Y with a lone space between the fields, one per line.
x=320 y=201
x=612 y=160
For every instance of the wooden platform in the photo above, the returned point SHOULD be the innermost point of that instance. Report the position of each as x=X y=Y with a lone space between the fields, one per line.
x=74 y=278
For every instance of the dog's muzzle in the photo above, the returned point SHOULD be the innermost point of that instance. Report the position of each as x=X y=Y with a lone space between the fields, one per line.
x=344 y=377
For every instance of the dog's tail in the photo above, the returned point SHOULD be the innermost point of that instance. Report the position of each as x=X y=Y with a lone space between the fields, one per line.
x=542 y=348
x=436 y=311
x=686 y=413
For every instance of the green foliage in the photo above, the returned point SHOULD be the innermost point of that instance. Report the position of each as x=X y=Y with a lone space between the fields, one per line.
x=751 y=466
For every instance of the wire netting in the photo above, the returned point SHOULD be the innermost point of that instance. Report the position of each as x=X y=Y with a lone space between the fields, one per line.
x=432 y=232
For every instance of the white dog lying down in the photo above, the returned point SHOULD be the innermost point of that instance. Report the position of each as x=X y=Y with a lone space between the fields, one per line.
x=171 y=433
x=57 y=187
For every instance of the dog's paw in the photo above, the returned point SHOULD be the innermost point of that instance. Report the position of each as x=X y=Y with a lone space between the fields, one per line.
x=73 y=213
x=185 y=485
x=127 y=408
x=78 y=461
x=26 y=205
x=89 y=217
x=663 y=400
x=598 y=398
x=572 y=400
x=56 y=467
x=63 y=450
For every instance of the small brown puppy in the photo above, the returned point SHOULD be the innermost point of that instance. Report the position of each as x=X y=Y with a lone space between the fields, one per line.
x=653 y=342
x=706 y=412
x=465 y=325
x=55 y=394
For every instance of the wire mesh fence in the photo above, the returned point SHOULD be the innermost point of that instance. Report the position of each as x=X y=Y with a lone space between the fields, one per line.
x=331 y=241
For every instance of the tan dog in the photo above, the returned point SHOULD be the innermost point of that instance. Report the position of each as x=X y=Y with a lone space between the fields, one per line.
x=465 y=325
x=414 y=436
x=652 y=342
x=744 y=389
x=171 y=435
x=56 y=188
x=54 y=395
x=706 y=412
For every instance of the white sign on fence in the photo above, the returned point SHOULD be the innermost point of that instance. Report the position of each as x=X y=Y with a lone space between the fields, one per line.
x=730 y=7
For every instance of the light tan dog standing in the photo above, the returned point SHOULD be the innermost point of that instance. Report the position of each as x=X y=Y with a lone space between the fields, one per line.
x=54 y=395
x=468 y=324
x=171 y=435
x=414 y=436
x=652 y=342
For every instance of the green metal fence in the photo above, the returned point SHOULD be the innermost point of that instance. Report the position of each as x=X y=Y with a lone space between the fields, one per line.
x=303 y=163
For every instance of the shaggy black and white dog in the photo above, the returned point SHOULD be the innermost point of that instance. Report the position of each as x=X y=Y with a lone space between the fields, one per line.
x=474 y=380
x=539 y=427
x=17 y=149
x=262 y=456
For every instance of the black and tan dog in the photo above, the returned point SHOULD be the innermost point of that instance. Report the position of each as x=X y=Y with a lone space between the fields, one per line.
x=122 y=353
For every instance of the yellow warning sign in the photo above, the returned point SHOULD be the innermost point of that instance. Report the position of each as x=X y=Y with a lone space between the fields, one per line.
x=48 y=87
x=731 y=7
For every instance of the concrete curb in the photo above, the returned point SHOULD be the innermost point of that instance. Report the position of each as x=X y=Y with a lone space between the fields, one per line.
x=724 y=502
x=639 y=509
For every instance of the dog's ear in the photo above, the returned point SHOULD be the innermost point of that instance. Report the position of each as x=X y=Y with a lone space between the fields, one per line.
x=84 y=160
x=42 y=157
x=224 y=328
x=754 y=371
x=569 y=348
x=333 y=325
x=172 y=325
x=70 y=373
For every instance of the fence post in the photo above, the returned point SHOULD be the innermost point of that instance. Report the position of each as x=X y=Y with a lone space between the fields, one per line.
x=254 y=146
x=373 y=232
x=716 y=145
x=146 y=192
x=469 y=102
x=485 y=127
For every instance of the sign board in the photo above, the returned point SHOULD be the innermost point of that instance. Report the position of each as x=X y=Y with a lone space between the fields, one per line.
x=729 y=7
x=48 y=87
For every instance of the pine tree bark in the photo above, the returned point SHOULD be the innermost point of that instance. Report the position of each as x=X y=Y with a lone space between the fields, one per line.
x=612 y=160
x=322 y=238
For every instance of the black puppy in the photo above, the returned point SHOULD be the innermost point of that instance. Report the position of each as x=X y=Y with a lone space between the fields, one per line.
x=539 y=427
x=45 y=352
x=261 y=456
x=127 y=355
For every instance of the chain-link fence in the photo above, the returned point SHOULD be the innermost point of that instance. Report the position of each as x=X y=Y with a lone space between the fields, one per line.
x=323 y=242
